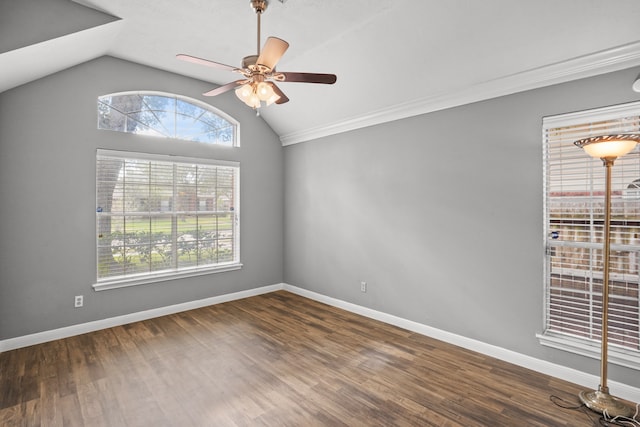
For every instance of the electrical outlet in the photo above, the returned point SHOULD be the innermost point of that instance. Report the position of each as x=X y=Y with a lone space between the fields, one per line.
x=363 y=286
x=78 y=301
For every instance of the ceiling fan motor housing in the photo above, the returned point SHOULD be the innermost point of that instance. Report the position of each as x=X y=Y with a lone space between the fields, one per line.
x=249 y=60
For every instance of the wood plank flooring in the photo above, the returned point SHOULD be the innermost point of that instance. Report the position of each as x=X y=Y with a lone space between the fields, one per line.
x=272 y=360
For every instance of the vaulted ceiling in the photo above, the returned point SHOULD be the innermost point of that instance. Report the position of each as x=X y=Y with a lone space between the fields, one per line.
x=393 y=58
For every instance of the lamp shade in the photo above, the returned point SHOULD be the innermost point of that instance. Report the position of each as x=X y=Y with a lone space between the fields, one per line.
x=609 y=146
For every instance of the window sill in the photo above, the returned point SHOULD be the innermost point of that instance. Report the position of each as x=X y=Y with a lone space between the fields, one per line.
x=616 y=355
x=145 y=279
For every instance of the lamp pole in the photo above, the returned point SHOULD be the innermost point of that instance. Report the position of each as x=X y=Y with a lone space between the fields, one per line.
x=608 y=148
x=608 y=164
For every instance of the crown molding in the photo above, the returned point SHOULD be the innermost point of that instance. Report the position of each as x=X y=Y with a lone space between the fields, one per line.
x=601 y=62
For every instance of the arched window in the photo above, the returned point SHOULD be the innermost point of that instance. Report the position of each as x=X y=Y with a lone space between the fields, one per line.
x=166 y=115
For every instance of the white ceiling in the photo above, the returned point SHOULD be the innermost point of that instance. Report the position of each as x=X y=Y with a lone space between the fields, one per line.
x=393 y=58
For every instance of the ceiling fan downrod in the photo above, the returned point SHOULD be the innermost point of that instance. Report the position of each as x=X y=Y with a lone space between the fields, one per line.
x=259 y=6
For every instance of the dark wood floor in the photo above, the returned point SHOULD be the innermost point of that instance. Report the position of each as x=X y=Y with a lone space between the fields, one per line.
x=274 y=360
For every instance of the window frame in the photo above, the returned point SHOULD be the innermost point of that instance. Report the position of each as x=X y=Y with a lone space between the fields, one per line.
x=172 y=273
x=589 y=347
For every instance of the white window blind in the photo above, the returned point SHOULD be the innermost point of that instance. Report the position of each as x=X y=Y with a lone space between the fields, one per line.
x=574 y=214
x=161 y=215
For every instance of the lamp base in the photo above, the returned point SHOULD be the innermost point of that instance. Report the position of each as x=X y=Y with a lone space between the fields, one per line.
x=604 y=403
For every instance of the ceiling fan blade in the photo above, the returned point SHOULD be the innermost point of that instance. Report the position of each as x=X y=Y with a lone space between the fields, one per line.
x=272 y=51
x=283 y=98
x=225 y=88
x=206 y=62
x=328 y=79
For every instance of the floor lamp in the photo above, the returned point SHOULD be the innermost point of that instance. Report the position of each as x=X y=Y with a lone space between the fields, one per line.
x=607 y=148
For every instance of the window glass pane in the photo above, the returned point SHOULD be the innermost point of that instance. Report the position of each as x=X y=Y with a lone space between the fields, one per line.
x=160 y=187
x=109 y=118
x=207 y=180
x=161 y=243
x=186 y=186
x=158 y=103
x=110 y=245
x=187 y=240
x=207 y=239
x=218 y=129
x=214 y=121
x=191 y=129
x=136 y=186
x=225 y=249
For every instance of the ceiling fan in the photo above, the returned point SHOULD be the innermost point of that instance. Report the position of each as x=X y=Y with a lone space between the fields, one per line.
x=259 y=71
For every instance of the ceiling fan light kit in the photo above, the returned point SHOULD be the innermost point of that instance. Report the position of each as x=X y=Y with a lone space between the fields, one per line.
x=253 y=93
x=259 y=71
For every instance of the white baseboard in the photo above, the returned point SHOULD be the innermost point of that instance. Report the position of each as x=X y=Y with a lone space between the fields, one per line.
x=558 y=371
x=568 y=374
x=69 y=331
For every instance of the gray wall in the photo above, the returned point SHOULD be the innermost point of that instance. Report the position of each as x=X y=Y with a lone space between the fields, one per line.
x=440 y=214
x=48 y=142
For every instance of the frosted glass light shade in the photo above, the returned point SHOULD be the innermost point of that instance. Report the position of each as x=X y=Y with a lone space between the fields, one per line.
x=264 y=91
x=609 y=146
x=273 y=98
x=244 y=91
x=253 y=101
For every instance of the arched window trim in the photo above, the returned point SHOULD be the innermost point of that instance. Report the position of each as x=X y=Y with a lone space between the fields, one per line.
x=196 y=102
